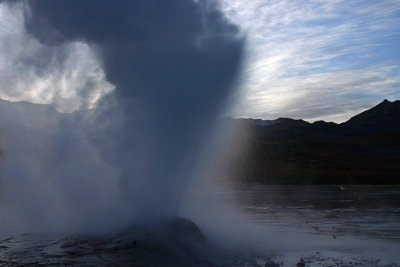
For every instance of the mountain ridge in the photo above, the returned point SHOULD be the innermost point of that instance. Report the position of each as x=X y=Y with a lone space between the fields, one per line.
x=363 y=150
x=385 y=114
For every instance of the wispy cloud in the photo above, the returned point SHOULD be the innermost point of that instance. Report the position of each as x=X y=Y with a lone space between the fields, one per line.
x=66 y=76
x=317 y=59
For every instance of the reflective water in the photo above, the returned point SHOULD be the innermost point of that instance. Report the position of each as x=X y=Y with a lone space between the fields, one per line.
x=348 y=225
x=359 y=211
x=338 y=225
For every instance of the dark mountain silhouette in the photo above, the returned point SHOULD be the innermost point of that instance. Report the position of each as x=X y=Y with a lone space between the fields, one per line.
x=383 y=117
x=364 y=149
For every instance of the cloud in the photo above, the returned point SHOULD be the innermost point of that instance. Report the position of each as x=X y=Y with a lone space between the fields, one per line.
x=67 y=76
x=285 y=39
x=299 y=50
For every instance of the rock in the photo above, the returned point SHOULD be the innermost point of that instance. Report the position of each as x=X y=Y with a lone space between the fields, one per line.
x=184 y=233
x=270 y=263
x=301 y=263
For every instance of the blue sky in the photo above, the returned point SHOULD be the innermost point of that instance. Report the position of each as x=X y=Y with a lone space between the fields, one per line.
x=316 y=59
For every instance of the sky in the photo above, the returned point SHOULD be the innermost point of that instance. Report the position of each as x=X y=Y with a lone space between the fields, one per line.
x=316 y=59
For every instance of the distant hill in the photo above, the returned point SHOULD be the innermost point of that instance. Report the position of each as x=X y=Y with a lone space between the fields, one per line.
x=383 y=117
x=362 y=150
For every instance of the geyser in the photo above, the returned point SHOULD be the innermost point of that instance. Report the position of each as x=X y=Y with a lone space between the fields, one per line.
x=173 y=64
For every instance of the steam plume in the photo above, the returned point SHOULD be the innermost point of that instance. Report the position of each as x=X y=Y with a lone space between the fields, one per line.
x=173 y=64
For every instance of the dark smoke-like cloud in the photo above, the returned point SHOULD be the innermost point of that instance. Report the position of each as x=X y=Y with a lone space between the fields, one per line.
x=173 y=64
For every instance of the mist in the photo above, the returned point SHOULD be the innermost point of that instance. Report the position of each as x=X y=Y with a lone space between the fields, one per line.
x=173 y=65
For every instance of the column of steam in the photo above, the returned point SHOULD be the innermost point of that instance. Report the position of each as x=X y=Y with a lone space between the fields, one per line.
x=172 y=63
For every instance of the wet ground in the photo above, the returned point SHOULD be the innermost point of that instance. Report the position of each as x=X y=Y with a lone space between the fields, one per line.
x=339 y=226
x=366 y=211
x=351 y=225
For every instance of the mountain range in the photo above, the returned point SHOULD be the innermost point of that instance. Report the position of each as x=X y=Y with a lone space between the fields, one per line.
x=363 y=150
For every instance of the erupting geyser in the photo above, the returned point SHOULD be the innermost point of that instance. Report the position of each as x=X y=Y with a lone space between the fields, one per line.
x=173 y=64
